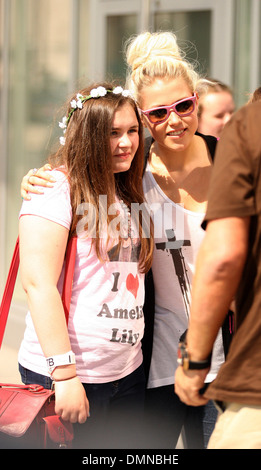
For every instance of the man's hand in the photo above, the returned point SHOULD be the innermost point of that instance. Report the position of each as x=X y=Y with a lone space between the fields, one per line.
x=188 y=385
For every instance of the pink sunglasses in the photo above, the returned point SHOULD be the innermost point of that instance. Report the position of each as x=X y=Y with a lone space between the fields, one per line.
x=182 y=108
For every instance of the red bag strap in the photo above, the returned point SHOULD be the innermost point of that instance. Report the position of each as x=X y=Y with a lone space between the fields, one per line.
x=12 y=275
x=9 y=289
x=34 y=387
x=68 y=275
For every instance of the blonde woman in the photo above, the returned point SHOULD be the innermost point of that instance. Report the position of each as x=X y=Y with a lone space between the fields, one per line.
x=175 y=182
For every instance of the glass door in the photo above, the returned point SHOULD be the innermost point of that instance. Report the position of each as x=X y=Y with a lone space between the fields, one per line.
x=188 y=27
x=118 y=29
x=204 y=28
x=113 y=23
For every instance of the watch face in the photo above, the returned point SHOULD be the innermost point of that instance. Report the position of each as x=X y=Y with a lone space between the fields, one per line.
x=183 y=357
x=181 y=353
x=186 y=363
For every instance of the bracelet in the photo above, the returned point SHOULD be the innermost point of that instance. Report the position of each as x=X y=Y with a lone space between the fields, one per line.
x=60 y=360
x=63 y=380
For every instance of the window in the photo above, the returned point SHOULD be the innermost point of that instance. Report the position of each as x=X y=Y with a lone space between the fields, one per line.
x=206 y=25
x=119 y=29
x=38 y=74
x=188 y=27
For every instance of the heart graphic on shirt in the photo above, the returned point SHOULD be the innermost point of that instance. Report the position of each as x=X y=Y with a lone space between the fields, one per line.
x=132 y=284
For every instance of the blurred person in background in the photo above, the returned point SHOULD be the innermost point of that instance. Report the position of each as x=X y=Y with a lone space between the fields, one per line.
x=216 y=107
x=256 y=95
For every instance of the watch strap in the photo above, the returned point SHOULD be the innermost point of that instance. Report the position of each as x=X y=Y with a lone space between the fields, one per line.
x=196 y=365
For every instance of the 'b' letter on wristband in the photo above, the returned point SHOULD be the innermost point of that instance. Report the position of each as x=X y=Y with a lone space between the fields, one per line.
x=60 y=360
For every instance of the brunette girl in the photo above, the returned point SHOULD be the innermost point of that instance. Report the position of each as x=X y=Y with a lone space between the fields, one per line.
x=97 y=361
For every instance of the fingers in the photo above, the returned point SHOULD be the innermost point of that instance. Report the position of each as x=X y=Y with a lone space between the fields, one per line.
x=71 y=402
x=188 y=385
x=75 y=416
x=36 y=177
x=25 y=185
x=191 y=397
x=41 y=177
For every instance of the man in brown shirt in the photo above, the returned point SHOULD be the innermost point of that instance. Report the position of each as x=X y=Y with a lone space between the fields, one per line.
x=228 y=266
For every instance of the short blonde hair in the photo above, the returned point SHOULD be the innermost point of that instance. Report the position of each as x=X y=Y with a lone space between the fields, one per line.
x=151 y=55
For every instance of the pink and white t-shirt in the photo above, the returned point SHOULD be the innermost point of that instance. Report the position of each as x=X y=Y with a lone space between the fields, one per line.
x=106 y=321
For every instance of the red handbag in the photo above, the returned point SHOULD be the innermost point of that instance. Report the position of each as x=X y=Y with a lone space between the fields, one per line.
x=27 y=416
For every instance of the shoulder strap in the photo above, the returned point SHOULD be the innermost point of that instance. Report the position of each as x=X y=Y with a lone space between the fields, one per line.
x=147 y=145
x=68 y=275
x=209 y=139
x=211 y=142
x=9 y=289
x=12 y=275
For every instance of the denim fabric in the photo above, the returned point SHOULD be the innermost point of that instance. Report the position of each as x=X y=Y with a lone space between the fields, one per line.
x=209 y=421
x=30 y=377
x=166 y=417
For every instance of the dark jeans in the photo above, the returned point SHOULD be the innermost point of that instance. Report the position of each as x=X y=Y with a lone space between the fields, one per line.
x=116 y=411
x=209 y=421
x=117 y=418
x=166 y=416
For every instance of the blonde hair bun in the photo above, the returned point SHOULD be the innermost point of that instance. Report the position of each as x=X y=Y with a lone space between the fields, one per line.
x=151 y=55
x=150 y=46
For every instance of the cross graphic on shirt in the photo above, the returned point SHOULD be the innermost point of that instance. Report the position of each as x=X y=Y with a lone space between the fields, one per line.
x=174 y=247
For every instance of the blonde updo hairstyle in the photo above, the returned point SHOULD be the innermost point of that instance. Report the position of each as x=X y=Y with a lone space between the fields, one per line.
x=154 y=55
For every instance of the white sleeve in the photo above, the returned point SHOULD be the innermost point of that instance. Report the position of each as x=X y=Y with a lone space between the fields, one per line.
x=54 y=204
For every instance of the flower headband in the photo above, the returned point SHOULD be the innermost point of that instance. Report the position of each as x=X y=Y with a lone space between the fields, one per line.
x=80 y=99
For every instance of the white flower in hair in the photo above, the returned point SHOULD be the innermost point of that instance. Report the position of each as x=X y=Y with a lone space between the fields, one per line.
x=101 y=91
x=117 y=90
x=79 y=104
x=97 y=92
x=127 y=93
x=79 y=96
x=62 y=140
x=63 y=124
x=94 y=93
x=74 y=104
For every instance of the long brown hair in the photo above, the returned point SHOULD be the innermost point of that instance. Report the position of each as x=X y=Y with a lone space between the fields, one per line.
x=86 y=156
